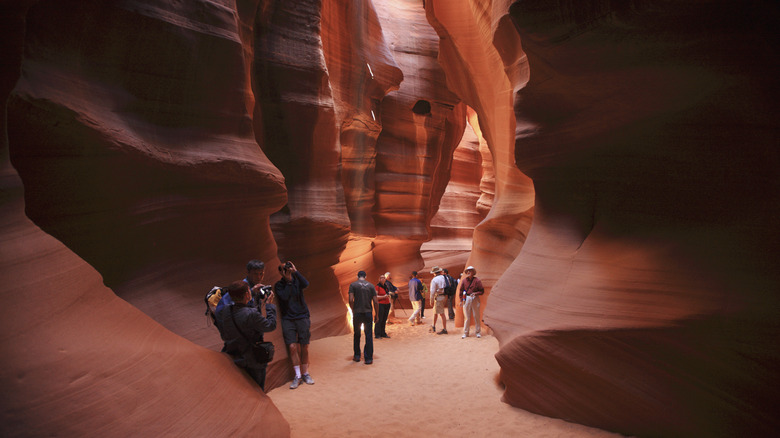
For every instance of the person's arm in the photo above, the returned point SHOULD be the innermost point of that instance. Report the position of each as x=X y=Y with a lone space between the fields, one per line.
x=267 y=323
x=459 y=291
x=304 y=283
x=351 y=296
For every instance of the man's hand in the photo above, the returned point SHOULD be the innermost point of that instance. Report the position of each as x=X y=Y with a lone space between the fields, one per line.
x=269 y=298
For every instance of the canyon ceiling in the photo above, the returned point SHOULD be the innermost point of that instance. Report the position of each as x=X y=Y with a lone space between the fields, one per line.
x=615 y=164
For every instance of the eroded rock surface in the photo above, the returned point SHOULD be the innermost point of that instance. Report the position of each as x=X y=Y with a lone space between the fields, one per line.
x=644 y=300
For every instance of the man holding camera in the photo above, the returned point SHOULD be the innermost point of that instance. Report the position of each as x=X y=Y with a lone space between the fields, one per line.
x=296 y=322
x=254 y=275
x=240 y=325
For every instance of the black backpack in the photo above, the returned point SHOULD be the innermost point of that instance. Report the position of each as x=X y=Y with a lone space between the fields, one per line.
x=449 y=290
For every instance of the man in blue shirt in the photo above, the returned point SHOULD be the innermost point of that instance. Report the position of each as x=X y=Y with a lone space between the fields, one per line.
x=296 y=322
x=415 y=296
x=254 y=275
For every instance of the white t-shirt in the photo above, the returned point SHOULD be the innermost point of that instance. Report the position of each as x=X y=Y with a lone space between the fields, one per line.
x=437 y=285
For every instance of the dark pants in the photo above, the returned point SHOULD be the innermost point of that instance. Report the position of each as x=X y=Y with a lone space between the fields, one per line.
x=258 y=375
x=450 y=300
x=381 y=323
x=366 y=319
x=422 y=308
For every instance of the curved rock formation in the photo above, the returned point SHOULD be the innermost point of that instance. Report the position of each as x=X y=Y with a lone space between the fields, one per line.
x=644 y=300
x=480 y=53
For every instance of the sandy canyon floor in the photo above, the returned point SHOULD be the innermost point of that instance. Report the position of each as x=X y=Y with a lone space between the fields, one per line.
x=420 y=384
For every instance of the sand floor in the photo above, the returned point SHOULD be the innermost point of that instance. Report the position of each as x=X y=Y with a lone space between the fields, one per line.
x=420 y=384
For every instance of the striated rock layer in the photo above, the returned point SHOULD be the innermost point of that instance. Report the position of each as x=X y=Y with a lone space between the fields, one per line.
x=484 y=63
x=645 y=298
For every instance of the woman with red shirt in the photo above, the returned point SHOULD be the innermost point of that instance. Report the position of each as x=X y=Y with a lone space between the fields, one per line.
x=384 y=308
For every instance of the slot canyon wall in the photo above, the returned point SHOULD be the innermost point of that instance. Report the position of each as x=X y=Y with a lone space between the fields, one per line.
x=151 y=148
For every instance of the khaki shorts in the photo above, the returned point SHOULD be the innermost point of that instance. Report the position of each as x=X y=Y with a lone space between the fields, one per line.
x=440 y=304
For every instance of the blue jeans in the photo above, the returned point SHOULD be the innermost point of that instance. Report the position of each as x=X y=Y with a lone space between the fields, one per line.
x=367 y=319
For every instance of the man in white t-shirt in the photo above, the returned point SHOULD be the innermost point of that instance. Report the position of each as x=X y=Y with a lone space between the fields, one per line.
x=438 y=299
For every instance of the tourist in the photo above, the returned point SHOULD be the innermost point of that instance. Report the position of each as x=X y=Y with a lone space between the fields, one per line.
x=296 y=321
x=364 y=303
x=438 y=299
x=383 y=297
x=471 y=289
x=449 y=290
x=415 y=296
x=241 y=325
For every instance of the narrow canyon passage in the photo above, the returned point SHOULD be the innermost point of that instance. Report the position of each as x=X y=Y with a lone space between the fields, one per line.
x=420 y=384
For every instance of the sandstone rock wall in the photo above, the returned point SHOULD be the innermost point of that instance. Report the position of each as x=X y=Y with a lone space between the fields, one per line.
x=644 y=298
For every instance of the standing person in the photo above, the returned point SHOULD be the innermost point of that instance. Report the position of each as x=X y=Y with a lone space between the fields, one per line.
x=438 y=299
x=383 y=297
x=393 y=291
x=296 y=322
x=471 y=289
x=241 y=325
x=423 y=296
x=449 y=290
x=364 y=303
x=415 y=296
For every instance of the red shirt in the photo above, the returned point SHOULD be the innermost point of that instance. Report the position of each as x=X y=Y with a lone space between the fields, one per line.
x=381 y=293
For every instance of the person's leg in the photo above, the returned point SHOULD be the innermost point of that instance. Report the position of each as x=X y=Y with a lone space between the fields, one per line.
x=466 y=316
x=422 y=308
x=258 y=375
x=416 y=313
x=384 y=313
x=368 y=351
x=304 y=358
x=475 y=306
x=304 y=336
x=356 y=320
x=450 y=301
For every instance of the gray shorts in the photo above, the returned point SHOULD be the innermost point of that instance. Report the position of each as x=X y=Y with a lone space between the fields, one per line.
x=296 y=331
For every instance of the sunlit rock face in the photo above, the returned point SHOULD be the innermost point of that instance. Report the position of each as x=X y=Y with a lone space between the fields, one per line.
x=481 y=56
x=645 y=297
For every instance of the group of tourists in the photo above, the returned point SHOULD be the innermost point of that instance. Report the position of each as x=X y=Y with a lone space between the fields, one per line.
x=246 y=311
x=444 y=288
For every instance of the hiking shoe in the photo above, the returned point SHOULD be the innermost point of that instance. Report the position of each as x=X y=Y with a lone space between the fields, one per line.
x=433 y=329
x=442 y=332
x=356 y=358
x=307 y=379
x=478 y=335
x=368 y=361
x=464 y=336
x=296 y=381
x=385 y=336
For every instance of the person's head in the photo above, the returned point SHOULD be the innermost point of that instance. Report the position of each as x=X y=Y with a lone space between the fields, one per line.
x=436 y=271
x=470 y=271
x=414 y=274
x=286 y=270
x=382 y=279
x=362 y=275
x=239 y=291
x=254 y=271
x=387 y=275
x=446 y=271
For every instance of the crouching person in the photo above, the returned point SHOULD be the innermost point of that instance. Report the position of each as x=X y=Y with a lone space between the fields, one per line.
x=241 y=325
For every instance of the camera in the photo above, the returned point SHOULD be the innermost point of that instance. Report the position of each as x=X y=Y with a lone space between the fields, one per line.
x=288 y=265
x=262 y=293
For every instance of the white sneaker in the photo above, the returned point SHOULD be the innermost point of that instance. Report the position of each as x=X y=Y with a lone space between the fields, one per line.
x=463 y=337
x=307 y=379
x=296 y=381
x=478 y=335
